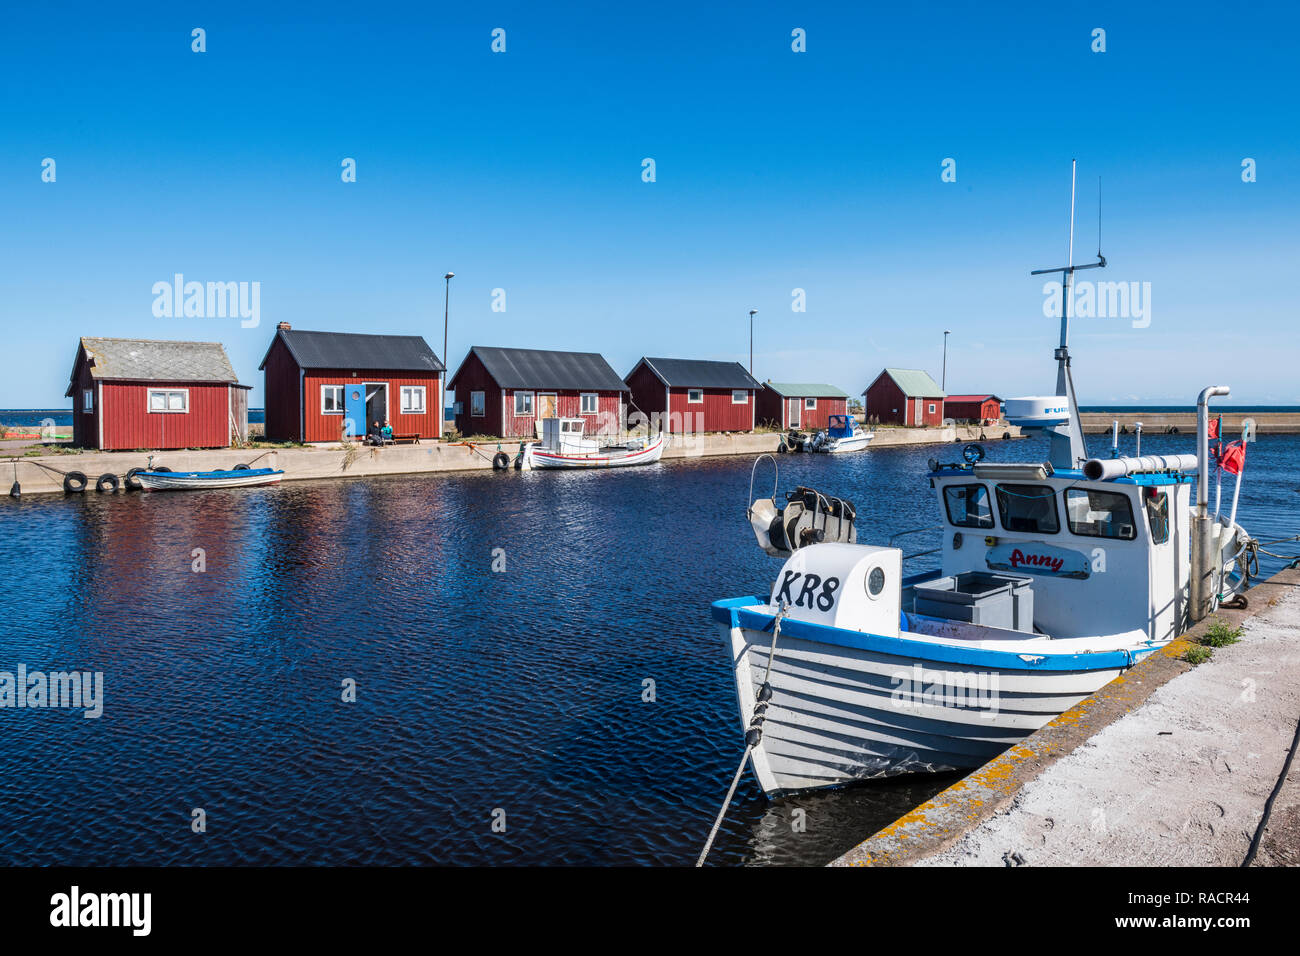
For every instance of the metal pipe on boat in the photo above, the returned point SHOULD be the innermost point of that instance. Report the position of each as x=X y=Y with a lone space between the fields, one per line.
x=1201 y=542
x=1106 y=469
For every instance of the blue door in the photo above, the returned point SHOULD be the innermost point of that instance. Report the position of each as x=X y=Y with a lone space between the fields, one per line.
x=354 y=410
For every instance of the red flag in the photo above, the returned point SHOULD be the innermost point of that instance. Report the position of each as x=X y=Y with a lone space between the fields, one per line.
x=1214 y=428
x=1233 y=457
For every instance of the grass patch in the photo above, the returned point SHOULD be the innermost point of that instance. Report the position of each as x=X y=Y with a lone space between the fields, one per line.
x=1196 y=654
x=1220 y=634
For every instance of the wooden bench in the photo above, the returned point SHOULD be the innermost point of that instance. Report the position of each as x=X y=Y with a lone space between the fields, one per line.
x=410 y=439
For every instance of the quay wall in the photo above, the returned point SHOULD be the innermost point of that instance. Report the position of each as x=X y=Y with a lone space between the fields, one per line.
x=1266 y=423
x=44 y=474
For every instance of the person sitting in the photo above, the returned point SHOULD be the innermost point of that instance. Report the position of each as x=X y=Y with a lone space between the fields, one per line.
x=376 y=436
x=387 y=432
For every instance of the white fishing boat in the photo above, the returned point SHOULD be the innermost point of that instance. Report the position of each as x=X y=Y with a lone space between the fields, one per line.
x=841 y=434
x=564 y=445
x=1055 y=577
x=203 y=480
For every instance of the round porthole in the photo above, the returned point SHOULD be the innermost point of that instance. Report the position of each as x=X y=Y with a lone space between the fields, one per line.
x=875 y=582
x=356 y=396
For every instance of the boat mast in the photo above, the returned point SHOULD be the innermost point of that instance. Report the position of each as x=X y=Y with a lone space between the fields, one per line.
x=1069 y=450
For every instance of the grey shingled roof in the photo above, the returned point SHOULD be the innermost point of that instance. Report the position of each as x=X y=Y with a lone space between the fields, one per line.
x=153 y=360
x=540 y=368
x=359 y=350
x=701 y=373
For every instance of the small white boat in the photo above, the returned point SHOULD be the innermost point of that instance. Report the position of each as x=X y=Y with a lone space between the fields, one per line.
x=840 y=434
x=563 y=445
x=201 y=480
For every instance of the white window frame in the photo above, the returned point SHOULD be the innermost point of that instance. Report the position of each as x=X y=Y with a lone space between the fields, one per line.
x=932 y=408
x=88 y=401
x=809 y=404
x=408 y=408
x=148 y=401
x=531 y=410
x=582 y=403
x=342 y=399
x=478 y=404
x=740 y=391
x=695 y=401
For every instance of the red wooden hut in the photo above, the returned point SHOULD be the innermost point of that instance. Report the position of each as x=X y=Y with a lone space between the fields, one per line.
x=805 y=406
x=324 y=386
x=506 y=392
x=142 y=393
x=694 y=395
x=904 y=396
x=975 y=409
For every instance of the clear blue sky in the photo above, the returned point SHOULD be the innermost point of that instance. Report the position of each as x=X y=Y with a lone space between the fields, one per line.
x=775 y=170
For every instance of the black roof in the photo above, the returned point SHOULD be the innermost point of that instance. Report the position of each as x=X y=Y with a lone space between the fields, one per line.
x=358 y=350
x=700 y=373
x=539 y=368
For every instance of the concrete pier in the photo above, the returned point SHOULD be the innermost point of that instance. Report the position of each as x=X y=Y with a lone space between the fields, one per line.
x=1266 y=423
x=44 y=473
x=1170 y=764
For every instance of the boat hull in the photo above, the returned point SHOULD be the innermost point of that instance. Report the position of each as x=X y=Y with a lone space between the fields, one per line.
x=841 y=713
x=206 y=480
x=537 y=458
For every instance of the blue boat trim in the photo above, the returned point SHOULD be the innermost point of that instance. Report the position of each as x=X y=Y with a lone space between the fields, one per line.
x=241 y=473
x=736 y=612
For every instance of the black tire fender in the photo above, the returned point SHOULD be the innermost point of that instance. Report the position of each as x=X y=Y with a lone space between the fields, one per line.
x=240 y=467
x=500 y=461
x=74 y=482
x=132 y=482
x=106 y=482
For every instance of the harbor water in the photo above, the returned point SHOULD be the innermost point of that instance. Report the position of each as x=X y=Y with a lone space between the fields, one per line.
x=537 y=678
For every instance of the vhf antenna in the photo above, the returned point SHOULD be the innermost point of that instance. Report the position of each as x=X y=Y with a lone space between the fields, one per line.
x=1062 y=354
x=1077 y=450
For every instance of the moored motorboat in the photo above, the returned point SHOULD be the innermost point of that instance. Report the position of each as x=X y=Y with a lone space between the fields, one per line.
x=1055 y=577
x=202 y=480
x=564 y=445
x=840 y=434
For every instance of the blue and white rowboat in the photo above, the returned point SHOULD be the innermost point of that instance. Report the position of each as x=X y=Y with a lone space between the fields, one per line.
x=199 y=480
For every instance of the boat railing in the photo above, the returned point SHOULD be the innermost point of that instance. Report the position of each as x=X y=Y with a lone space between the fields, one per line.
x=917 y=554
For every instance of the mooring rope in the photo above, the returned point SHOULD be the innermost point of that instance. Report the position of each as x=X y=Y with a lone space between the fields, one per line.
x=753 y=735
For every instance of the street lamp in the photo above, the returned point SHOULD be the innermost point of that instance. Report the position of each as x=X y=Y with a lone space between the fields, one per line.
x=751 y=342
x=943 y=381
x=446 y=302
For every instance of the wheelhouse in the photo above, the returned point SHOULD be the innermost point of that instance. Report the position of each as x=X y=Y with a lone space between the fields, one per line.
x=1121 y=536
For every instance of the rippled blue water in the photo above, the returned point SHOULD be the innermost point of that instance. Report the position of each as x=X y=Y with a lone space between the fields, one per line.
x=477 y=690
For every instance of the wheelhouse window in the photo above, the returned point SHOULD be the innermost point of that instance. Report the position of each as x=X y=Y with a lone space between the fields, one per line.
x=695 y=396
x=412 y=399
x=590 y=403
x=968 y=506
x=331 y=399
x=175 y=400
x=523 y=403
x=810 y=403
x=87 y=399
x=1099 y=514
x=1157 y=507
x=478 y=404
x=1028 y=508
x=739 y=396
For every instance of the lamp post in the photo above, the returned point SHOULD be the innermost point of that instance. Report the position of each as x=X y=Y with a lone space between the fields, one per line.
x=943 y=380
x=446 y=303
x=751 y=341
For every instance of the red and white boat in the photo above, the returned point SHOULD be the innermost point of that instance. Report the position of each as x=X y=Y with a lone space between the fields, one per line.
x=564 y=445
